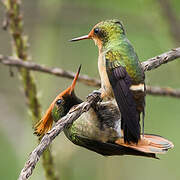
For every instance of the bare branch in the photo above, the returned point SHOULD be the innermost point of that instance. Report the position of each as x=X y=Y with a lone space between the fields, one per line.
x=164 y=58
x=49 y=137
x=159 y=91
x=148 y=65
x=11 y=61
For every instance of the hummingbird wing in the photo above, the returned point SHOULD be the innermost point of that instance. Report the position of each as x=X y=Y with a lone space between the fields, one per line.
x=121 y=83
x=109 y=148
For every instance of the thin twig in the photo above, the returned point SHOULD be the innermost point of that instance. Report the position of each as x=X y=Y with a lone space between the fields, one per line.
x=14 y=23
x=48 y=137
x=164 y=58
x=11 y=61
x=163 y=91
x=148 y=65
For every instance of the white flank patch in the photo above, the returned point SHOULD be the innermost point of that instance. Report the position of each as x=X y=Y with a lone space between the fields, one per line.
x=139 y=87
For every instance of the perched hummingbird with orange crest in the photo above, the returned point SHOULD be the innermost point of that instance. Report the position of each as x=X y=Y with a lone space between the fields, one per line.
x=98 y=129
x=122 y=76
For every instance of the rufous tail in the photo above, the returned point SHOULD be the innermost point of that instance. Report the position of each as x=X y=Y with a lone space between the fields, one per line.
x=149 y=144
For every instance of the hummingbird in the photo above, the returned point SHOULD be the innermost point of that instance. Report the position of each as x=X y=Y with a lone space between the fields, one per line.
x=122 y=76
x=98 y=129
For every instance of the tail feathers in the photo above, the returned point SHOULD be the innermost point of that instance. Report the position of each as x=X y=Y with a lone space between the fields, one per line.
x=45 y=124
x=149 y=144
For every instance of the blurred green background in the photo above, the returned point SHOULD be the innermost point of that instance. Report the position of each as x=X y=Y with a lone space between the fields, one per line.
x=49 y=25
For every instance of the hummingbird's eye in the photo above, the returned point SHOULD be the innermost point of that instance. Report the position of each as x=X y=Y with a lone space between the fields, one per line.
x=59 y=101
x=96 y=30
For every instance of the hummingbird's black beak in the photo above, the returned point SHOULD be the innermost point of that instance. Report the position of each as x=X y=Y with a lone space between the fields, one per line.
x=80 y=38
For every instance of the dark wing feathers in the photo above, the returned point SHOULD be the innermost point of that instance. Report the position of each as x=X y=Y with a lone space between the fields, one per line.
x=108 y=148
x=121 y=82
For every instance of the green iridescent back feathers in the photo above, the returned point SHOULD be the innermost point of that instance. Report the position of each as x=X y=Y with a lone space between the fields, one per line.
x=118 y=50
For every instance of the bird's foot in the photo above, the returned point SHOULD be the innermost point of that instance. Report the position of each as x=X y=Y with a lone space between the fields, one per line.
x=94 y=94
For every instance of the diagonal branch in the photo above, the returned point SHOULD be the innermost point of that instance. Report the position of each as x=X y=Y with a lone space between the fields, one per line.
x=148 y=65
x=49 y=137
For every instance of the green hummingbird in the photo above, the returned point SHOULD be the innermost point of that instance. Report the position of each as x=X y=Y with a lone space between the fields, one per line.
x=99 y=129
x=122 y=76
